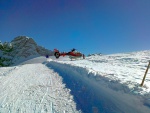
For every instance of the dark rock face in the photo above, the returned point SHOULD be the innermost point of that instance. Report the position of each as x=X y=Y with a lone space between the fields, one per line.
x=24 y=47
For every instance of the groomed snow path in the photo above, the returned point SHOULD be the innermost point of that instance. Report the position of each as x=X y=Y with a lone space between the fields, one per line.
x=33 y=88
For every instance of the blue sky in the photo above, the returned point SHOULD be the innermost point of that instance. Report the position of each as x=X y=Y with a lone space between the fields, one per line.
x=90 y=26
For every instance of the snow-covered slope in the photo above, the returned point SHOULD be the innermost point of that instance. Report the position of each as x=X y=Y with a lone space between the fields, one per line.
x=126 y=68
x=116 y=78
x=97 y=84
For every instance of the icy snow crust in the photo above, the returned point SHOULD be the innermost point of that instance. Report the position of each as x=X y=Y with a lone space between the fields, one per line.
x=97 y=84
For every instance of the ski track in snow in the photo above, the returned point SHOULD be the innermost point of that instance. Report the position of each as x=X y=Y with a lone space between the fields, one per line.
x=33 y=88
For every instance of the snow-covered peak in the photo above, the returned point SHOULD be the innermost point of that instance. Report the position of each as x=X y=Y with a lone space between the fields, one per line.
x=0 y=43
x=21 y=41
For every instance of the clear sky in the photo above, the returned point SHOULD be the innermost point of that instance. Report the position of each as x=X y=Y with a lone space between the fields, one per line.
x=90 y=26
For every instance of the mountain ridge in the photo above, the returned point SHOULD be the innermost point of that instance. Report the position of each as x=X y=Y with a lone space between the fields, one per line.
x=21 y=47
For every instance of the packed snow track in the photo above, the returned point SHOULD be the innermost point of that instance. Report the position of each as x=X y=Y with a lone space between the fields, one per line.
x=33 y=88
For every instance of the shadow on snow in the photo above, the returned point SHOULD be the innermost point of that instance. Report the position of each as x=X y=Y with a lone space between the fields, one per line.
x=92 y=96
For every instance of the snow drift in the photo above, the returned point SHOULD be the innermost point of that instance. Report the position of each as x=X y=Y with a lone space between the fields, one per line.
x=91 y=92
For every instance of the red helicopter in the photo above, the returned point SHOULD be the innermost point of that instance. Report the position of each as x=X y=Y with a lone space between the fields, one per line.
x=73 y=54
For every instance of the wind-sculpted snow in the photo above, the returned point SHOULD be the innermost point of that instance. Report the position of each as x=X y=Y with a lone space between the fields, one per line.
x=92 y=92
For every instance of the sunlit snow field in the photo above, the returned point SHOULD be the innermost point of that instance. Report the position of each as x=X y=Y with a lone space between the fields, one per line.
x=127 y=68
x=97 y=84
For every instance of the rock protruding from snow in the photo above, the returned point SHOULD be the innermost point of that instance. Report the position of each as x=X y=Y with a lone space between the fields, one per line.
x=23 y=47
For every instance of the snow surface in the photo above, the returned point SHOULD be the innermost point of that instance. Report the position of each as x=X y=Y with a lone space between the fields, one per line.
x=127 y=68
x=97 y=84
x=119 y=75
x=33 y=88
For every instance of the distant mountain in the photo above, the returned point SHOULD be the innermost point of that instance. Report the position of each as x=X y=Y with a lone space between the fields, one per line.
x=96 y=54
x=21 y=47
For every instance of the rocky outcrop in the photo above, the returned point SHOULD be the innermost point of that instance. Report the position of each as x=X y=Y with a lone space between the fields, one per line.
x=22 y=47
